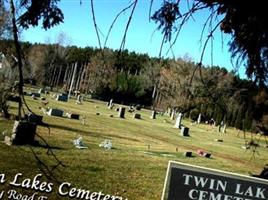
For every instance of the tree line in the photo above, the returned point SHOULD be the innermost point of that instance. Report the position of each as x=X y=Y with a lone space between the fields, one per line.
x=133 y=78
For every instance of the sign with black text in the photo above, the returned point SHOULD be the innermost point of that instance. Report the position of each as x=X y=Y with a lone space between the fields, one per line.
x=188 y=182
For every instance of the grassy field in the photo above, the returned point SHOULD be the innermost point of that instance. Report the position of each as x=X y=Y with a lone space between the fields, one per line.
x=136 y=166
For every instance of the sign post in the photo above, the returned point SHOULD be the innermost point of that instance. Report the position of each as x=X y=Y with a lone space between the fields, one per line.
x=188 y=182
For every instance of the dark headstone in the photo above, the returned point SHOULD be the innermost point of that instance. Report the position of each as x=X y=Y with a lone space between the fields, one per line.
x=201 y=152
x=62 y=97
x=188 y=154
x=23 y=133
x=55 y=112
x=73 y=116
x=138 y=107
x=121 y=113
x=16 y=99
x=184 y=131
x=35 y=118
x=207 y=155
x=137 y=116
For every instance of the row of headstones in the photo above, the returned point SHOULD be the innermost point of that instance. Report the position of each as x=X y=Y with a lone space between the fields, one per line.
x=65 y=97
x=59 y=113
x=221 y=127
x=184 y=130
x=173 y=114
x=121 y=113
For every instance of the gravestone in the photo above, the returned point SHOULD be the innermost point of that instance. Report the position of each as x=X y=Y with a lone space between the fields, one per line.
x=23 y=133
x=188 y=154
x=138 y=107
x=62 y=97
x=184 y=131
x=72 y=116
x=55 y=112
x=35 y=95
x=110 y=104
x=41 y=91
x=153 y=114
x=178 y=121
x=201 y=152
x=199 y=118
x=38 y=119
x=172 y=117
x=224 y=128
x=137 y=116
x=121 y=113
x=79 y=99
x=83 y=120
x=76 y=93
x=169 y=112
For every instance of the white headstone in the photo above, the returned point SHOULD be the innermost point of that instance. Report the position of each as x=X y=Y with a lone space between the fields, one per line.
x=199 y=118
x=153 y=114
x=172 y=115
x=79 y=99
x=178 y=120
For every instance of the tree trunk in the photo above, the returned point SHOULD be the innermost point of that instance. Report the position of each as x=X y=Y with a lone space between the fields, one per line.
x=58 y=78
x=18 y=52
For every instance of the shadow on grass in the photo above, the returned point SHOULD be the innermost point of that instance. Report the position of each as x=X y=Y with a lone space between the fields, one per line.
x=89 y=133
x=44 y=146
x=66 y=128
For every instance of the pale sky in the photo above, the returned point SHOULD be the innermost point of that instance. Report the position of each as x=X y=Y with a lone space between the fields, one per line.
x=142 y=37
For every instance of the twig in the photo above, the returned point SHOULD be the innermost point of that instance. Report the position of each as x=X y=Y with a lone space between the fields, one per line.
x=115 y=19
x=95 y=23
x=127 y=26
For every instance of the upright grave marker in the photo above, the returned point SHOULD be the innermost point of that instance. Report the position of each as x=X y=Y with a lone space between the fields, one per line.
x=137 y=116
x=121 y=113
x=188 y=182
x=178 y=121
x=153 y=114
x=199 y=118
x=55 y=112
x=184 y=131
x=172 y=117
x=79 y=99
x=62 y=97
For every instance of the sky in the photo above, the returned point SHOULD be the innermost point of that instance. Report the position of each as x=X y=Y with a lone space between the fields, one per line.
x=142 y=37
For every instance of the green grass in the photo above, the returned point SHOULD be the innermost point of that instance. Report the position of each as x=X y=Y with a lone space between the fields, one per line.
x=130 y=169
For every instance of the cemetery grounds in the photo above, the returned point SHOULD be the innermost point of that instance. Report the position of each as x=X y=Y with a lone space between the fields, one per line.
x=135 y=167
